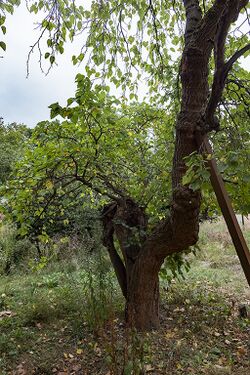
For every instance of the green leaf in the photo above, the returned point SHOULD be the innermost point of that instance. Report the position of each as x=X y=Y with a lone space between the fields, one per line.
x=2 y=20
x=3 y=29
x=3 y=45
x=52 y=59
x=187 y=178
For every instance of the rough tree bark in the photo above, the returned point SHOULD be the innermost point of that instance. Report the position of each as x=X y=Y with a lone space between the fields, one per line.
x=141 y=257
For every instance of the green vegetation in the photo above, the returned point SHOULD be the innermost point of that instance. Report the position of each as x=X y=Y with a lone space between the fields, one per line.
x=110 y=180
x=13 y=137
x=68 y=317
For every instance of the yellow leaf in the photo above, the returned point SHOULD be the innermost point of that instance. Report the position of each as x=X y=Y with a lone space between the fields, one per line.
x=49 y=184
x=170 y=335
x=79 y=351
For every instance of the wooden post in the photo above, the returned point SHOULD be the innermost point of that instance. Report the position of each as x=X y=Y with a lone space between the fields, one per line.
x=226 y=207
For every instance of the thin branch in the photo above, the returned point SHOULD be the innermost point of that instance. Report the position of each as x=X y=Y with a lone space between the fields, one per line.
x=234 y=58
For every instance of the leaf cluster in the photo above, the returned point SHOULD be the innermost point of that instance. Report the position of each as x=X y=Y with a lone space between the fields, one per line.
x=101 y=150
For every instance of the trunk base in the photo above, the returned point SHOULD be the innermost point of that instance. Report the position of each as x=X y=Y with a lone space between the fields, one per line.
x=142 y=310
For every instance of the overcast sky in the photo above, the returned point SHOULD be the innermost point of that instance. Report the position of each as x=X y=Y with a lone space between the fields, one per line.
x=26 y=100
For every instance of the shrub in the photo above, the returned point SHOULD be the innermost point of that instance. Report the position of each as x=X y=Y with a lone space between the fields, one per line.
x=14 y=252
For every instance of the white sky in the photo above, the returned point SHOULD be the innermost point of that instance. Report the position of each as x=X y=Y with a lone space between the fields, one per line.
x=26 y=100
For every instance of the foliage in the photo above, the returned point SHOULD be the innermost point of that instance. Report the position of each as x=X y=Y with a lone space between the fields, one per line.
x=13 y=251
x=105 y=150
x=13 y=136
x=49 y=329
x=175 y=267
x=232 y=143
x=101 y=150
x=135 y=35
x=197 y=175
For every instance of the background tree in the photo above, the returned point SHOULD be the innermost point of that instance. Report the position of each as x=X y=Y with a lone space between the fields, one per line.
x=13 y=136
x=146 y=37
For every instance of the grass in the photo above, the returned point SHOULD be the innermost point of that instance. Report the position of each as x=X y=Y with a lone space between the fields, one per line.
x=217 y=260
x=69 y=320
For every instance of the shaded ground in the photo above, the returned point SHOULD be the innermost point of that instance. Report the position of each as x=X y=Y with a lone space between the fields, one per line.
x=47 y=329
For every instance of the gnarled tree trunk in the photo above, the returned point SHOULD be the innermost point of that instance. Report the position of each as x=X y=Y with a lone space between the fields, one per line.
x=142 y=305
x=143 y=255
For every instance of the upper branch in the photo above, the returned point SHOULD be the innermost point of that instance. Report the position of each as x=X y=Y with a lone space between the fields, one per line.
x=230 y=15
x=234 y=58
x=222 y=68
x=193 y=17
x=209 y=25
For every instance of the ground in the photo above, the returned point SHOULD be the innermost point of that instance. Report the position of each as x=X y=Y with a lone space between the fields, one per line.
x=67 y=321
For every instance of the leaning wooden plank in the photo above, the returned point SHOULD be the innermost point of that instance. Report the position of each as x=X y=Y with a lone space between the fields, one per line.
x=226 y=208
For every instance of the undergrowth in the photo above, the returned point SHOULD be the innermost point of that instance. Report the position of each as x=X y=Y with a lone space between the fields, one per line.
x=70 y=316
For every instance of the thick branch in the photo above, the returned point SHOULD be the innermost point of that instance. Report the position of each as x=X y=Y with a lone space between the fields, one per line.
x=218 y=86
x=230 y=16
x=180 y=230
x=193 y=18
x=108 y=214
x=220 y=38
x=130 y=227
x=207 y=31
x=222 y=69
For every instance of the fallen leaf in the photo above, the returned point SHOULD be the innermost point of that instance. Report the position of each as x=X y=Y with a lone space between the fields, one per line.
x=6 y=313
x=149 y=368
x=241 y=350
x=178 y=309
x=170 y=335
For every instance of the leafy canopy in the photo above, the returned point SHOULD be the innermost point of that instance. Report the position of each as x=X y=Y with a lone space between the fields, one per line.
x=126 y=43
x=101 y=150
x=111 y=149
